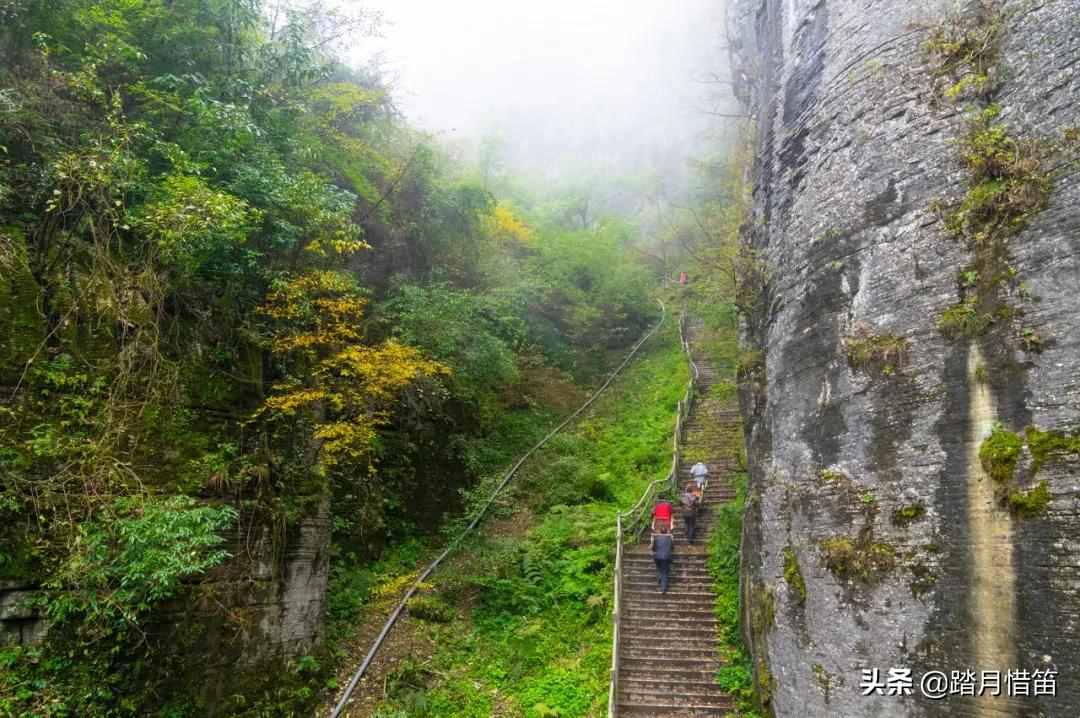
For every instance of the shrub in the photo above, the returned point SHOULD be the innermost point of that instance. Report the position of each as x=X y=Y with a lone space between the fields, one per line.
x=431 y=609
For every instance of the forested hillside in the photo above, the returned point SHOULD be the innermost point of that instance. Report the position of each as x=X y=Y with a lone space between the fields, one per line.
x=253 y=327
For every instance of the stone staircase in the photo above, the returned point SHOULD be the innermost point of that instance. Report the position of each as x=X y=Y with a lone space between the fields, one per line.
x=667 y=655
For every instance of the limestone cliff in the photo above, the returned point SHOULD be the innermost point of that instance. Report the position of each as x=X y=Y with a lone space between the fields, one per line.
x=910 y=298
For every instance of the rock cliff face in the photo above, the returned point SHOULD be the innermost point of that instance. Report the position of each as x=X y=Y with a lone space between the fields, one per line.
x=910 y=299
x=263 y=606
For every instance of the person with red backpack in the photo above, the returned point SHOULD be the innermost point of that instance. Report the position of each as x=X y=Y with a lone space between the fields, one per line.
x=662 y=516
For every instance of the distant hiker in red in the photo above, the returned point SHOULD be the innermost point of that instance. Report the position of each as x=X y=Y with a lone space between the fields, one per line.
x=661 y=516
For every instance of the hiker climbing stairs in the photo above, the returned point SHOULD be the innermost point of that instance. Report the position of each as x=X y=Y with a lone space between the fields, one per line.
x=667 y=654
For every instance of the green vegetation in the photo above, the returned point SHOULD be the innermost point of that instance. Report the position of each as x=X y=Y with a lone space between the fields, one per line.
x=964 y=319
x=860 y=559
x=908 y=514
x=963 y=51
x=832 y=476
x=530 y=630
x=1027 y=504
x=824 y=680
x=885 y=352
x=793 y=574
x=132 y=556
x=999 y=454
x=736 y=674
x=1009 y=179
x=1047 y=445
x=1007 y=183
x=239 y=289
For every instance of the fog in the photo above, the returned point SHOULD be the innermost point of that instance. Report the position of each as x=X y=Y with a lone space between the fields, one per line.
x=563 y=87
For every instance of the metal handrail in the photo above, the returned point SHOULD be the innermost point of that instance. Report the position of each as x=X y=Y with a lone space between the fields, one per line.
x=639 y=511
x=341 y=704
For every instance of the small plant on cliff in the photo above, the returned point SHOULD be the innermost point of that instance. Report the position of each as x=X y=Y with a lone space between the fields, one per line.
x=1007 y=182
x=793 y=575
x=886 y=352
x=909 y=514
x=964 y=320
x=859 y=559
x=963 y=52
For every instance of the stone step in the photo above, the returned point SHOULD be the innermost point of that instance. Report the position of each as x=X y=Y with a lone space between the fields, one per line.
x=691 y=694
x=634 y=622
x=671 y=710
x=676 y=573
x=674 y=584
x=647 y=599
x=664 y=653
x=644 y=599
x=663 y=633
x=668 y=614
x=685 y=669
x=664 y=686
x=679 y=569
x=636 y=594
x=681 y=562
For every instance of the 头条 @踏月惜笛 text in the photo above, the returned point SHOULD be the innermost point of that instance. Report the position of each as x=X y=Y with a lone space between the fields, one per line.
x=940 y=685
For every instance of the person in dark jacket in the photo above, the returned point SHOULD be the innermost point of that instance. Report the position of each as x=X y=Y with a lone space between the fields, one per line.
x=662 y=546
x=688 y=505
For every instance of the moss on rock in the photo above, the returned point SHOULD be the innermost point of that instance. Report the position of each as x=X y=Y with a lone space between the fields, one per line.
x=859 y=559
x=793 y=574
x=909 y=514
x=1028 y=504
x=999 y=454
x=1046 y=445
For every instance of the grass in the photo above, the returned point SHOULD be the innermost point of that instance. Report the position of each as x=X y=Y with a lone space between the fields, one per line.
x=886 y=352
x=530 y=630
x=964 y=319
x=736 y=674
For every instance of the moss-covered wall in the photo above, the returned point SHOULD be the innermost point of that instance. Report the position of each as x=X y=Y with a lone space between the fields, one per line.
x=912 y=220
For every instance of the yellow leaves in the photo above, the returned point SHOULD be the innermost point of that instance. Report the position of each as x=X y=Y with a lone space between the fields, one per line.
x=344 y=440
x=505 y=225
x=384 y=370
x=319 y=309
x=350 y=387
x=291 y=402
x=334 y=246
